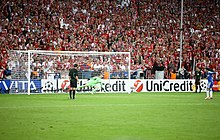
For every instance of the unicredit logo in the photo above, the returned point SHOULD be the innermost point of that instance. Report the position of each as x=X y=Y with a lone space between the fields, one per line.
x=138 y=85
x=168 y=86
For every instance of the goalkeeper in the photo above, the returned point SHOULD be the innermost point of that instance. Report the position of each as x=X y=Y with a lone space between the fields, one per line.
x=94 y=82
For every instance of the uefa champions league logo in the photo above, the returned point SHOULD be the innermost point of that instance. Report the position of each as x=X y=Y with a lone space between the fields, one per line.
x=203 y=85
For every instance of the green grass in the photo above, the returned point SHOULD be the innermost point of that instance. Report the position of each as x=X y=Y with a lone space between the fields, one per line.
x=138 y=116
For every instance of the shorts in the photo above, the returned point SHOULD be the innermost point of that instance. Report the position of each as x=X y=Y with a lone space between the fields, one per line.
x=210 y=85
x=197 y=82
x=73 y=83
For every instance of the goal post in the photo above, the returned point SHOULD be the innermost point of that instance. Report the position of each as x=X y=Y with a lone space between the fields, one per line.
x=113 y=65
x=29 y=73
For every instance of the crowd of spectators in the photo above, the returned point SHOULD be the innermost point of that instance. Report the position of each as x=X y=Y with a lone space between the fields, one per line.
x=149 y=30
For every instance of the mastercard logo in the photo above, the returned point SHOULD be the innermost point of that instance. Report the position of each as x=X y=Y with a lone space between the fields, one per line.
x=138 y=85
x=216 y=86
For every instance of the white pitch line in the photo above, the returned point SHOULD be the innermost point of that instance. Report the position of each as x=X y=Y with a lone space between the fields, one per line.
x=107 y=105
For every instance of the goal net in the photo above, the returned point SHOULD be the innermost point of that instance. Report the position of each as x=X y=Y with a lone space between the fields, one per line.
x=38 y=71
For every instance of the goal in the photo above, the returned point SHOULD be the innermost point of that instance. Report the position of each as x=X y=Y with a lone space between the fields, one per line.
x=39 y=71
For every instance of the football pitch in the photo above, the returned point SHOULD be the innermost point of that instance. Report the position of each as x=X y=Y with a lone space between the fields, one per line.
x=136 y=116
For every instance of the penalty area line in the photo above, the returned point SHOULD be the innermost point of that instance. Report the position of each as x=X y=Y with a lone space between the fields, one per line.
x=106 y=105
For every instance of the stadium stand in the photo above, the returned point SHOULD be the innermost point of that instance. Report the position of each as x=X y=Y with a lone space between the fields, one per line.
x=148 y=29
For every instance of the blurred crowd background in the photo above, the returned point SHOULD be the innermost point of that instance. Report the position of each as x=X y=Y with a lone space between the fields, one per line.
x=148 y=29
